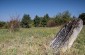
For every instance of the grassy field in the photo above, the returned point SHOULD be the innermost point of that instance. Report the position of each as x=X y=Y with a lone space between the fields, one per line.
x=35 y=41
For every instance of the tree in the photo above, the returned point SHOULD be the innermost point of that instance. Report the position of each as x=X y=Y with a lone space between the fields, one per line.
x=36 y=21
x=45 y=19
x=63 y=17
x=2 y=24
x=82 y=16
x=66 y=16
x=58 y=19
x=25 y=22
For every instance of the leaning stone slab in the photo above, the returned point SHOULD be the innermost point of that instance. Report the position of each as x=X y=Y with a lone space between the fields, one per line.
x=66 y=36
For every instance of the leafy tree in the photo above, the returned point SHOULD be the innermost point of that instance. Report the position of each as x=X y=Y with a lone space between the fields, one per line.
x=2 y=24
x=62 y=18
x=66 y=16
x=36 y=21
x=58 y=19
x=82 y=16
x=25 y=22
x=43 y=22
x=45 y=19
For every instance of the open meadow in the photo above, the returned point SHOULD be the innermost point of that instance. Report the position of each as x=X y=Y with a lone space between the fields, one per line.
x=35 y=41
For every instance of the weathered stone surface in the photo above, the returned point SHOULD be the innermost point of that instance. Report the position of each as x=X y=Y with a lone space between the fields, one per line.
x=67 y=35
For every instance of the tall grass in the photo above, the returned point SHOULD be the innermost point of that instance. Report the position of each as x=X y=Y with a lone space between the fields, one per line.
x=35 y=41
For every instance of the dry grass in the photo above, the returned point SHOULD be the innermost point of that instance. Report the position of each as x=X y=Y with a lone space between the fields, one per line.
x=35 y=41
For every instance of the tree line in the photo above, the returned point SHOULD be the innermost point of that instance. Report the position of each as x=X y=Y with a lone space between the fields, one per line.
x=45 y=21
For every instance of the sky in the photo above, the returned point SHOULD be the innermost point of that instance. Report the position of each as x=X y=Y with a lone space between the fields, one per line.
x=10 y=8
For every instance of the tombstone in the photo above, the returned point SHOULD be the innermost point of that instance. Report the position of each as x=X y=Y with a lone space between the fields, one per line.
x=66 y=36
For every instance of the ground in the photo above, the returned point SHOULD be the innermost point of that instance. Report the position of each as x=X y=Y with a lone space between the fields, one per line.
x=35 y=41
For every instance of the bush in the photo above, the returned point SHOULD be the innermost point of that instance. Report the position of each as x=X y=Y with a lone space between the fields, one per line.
x=14 y=25
x=51 y=23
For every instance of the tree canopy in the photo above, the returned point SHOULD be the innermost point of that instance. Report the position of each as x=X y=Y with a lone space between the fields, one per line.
x=36 y=21
x=82 y=16
x=25 y=22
